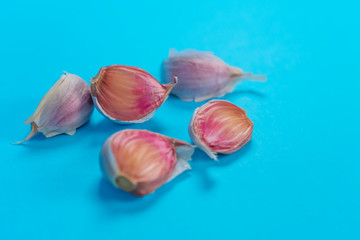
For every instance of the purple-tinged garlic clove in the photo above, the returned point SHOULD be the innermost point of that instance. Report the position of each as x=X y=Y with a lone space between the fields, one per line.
x=64 y=108
x=202 y=75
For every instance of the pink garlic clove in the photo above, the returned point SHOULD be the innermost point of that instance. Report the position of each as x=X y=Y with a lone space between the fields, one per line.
x=202 y=75
x=140 y=161
x=220 y=127
x=127 y=94
x=64 y=108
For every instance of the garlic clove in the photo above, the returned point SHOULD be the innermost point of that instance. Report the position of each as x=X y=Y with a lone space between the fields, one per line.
x=63 y=109
x=127 y=94
x=202 y=75
x=220 y=127
x=140 y=161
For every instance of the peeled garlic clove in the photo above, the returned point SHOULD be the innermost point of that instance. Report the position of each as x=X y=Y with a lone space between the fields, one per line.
x=202 y=75
x=220 y=127
x=140 y=161
x=127 y=94
x=64 y=108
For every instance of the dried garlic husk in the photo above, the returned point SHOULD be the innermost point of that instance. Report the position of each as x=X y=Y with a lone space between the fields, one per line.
x=64 y=108
x=220 y=127
x=140 y=161
x=202 y=75
x=127 y=94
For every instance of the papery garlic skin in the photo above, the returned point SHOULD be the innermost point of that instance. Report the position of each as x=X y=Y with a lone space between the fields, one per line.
x=64 y=108
x=202 y=75
x=128 y=94
x=140 y=161
x=220 y=127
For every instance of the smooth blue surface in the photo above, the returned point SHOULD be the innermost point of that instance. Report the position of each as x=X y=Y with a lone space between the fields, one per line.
x=298 y=178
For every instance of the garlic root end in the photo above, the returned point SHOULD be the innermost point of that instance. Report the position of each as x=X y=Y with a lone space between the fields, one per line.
x=124 y=184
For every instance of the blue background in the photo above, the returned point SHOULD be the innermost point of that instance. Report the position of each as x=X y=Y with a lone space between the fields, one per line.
x=299 y=176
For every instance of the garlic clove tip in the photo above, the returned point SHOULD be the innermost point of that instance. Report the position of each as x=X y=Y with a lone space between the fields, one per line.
x=34 y=130
x=169 y=86
x=254 y=77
